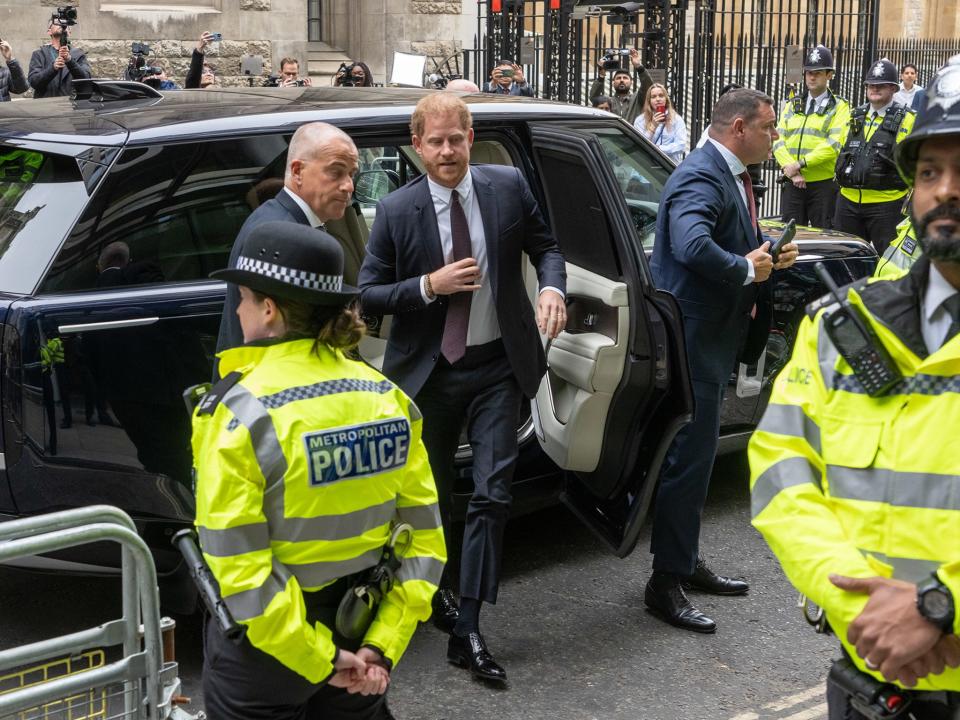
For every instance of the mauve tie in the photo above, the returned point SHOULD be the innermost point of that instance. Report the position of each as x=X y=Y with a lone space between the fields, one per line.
x=454 y=343
x=751 y=203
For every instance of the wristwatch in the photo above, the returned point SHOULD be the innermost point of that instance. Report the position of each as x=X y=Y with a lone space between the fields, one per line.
x=802 y=162
x=935 y=603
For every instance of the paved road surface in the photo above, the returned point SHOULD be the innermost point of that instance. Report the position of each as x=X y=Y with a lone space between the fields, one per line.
x=570 y=629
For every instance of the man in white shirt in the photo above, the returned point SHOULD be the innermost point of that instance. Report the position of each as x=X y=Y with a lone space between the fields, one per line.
x=317 y=187
x=910 y=94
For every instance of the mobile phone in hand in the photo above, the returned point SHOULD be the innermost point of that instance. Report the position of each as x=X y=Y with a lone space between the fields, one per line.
x=660 y=108
x=789 y=231
x=216 y=37
x=507 y=73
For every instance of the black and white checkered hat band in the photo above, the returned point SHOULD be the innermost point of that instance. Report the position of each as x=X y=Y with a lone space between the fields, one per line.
x=300 y=278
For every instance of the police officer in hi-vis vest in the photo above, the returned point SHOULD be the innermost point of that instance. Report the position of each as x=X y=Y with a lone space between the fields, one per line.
x=812 y=128
x=871 y=189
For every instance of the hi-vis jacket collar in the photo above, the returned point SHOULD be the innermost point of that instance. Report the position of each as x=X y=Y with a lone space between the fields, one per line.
x=245 y=357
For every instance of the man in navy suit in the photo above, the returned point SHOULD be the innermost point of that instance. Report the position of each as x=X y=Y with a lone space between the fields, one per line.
x=710 y=254
x=317 y=187
x=445 y=259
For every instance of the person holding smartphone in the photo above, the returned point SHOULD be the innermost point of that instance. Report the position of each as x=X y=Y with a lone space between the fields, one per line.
x=507 y=79
x=661 y=124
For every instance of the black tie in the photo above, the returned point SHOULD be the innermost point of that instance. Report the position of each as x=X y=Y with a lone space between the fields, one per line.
x=952 y=305
x=454 y=343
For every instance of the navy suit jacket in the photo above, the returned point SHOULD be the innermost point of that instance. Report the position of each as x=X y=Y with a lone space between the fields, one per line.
x=404 y=244
x=280 y=208
x=703 y=234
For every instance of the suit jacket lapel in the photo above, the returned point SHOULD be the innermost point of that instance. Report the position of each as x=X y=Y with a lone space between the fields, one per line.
x=490 y=213
x=429 y=232
x=734 y=190
x=290 y=205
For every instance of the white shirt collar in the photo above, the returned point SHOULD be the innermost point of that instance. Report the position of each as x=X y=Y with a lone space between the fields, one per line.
x=882 y=111
x=307 y=210
x=819 y=99
x=733 y=162
x=441 y=193
x=938 y=290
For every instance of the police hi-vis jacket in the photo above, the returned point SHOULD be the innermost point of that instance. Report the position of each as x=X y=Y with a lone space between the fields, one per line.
x=842 y=483
x=301 y=469
x=816 y=138
x=902 y=253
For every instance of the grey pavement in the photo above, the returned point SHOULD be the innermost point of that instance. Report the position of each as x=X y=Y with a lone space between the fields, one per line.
x=570 y=628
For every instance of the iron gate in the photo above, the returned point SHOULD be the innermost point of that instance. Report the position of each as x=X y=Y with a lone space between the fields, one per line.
x=698 y=46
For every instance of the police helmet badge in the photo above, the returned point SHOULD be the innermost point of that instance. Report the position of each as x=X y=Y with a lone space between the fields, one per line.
x=946 y=90
x=878 y=70
x=815 y=55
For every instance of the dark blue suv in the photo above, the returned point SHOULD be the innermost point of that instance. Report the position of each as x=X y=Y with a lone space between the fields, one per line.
x=116 y=205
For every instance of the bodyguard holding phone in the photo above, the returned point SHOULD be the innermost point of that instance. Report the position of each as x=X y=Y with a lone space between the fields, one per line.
x=507 y=79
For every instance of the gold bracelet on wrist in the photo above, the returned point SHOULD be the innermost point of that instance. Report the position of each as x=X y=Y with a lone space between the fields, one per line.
x=428 y=286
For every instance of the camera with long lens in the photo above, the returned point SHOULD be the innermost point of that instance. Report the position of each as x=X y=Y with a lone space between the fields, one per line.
x=137 y=68
x=611 y=59
x=275 y=80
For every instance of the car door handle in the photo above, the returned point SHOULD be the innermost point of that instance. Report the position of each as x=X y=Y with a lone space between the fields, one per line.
x=107 y=325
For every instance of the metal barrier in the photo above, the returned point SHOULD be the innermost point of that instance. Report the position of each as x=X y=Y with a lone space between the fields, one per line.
x=149 y=684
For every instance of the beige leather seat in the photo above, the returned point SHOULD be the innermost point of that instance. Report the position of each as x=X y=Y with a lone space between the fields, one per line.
x=489 y=152
x=352 y=232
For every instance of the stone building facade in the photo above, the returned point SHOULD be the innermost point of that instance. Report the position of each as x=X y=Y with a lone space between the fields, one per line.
x=368 y=30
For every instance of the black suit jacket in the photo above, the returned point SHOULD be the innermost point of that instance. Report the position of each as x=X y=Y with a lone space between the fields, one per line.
x=47 y=81
x=405 y=244
x=282 y=208
x=703 y=233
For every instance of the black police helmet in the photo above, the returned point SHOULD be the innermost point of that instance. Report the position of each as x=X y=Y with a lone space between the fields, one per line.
x=939 y=116
x=291 y=261
x=819 y=58
x=882 y=72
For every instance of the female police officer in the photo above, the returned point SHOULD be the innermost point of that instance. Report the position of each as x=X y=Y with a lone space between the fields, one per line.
x=304 y=460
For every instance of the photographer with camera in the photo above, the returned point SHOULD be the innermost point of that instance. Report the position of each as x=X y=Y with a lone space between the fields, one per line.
x=625 y=104
x=661 y=124
x=139 y=71
x=507 y=79
x=54 y=66
x=12 y=79
x=201 y=73
x=353 y=75
x=289 y=75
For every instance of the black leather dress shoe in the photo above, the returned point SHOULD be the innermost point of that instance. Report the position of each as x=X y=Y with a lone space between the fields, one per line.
x=445 y=610
x=471 y=652
x=706 y=580
x=665 y=597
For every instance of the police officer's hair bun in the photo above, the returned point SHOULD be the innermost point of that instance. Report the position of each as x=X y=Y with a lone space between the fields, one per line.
x=339 y=327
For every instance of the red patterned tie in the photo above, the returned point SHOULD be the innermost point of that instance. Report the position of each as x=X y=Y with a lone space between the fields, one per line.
x=454 y=343
x=751 y=203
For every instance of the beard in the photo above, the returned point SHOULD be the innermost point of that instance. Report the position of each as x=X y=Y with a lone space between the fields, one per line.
x=941 y=243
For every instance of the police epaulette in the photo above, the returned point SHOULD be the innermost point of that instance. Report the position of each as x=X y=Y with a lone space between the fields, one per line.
x=208 y=404
x=828 y=299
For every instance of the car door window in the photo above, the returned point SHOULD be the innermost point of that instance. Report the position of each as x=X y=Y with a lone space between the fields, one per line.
x=641 y=177
x=177 y=208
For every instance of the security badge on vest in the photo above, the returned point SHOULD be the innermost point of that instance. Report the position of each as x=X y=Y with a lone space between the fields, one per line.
x=355 y=451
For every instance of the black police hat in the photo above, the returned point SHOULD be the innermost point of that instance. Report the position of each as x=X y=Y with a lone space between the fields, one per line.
x=939 y=116
x=882 y=72
x=291 y=261
x=819 y=58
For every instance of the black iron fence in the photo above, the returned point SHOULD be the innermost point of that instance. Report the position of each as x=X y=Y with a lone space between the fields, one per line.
x=927 y=55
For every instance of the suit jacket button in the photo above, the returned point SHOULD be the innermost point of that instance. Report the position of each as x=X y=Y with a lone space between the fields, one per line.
x=435 y=357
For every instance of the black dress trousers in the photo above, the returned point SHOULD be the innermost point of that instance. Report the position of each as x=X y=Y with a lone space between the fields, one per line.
x=874 y=222
x=812 y=205
x=482 y=391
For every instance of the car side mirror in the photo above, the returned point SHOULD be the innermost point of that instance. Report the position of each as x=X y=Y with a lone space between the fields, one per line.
x=371 y=186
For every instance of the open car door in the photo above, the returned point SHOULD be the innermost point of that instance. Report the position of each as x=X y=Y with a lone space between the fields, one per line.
x=617 y=388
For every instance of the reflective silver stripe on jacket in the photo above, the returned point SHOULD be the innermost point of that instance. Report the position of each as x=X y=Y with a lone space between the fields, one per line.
x=317 y=574
x=790 y=420
x=332 y=527
x=252 y=603
x=422 y=517
x=778 y=477
x=236 y=540
x=251 y=413
x=420 y=568
x=903 y=489
x=909 y=569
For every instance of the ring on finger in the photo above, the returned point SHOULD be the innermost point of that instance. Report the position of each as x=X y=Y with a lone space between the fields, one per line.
x=870 y=664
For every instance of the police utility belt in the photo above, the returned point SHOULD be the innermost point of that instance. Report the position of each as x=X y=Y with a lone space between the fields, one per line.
x=868 y=164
